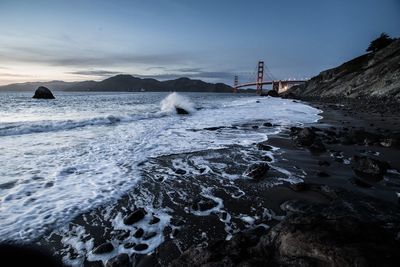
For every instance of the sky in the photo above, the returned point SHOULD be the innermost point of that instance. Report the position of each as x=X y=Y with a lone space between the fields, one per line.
x=212 y=40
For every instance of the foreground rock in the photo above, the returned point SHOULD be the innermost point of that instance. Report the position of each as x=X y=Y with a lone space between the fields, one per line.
x=351 y=230
x=369 y=168
x=257 y=171
x=181 y=111
x=43 y=93
x=135 y=216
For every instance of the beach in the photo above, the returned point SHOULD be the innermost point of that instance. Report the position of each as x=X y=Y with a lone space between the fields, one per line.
x=210 y=199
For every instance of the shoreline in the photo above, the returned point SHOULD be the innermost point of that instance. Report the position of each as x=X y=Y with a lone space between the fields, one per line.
x=184 y=222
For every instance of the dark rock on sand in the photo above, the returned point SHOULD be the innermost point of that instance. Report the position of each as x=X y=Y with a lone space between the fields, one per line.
x=135 y=216
x=180 y=171
x=323 y=163
x=317 y=146
x=257 y=171
x=43 y=93
x=305 y=137
x=139 y=233
x=299 y=187
x=369 y=168
x=121 y=260
x=181 y=111
x=103 y=248
x=149 y=235
x=264 y=146
x=129 y=245
x=141 y=247
x=350 y=230
x=266 y=158
x=203 y=204
x=323 y=174
x=154 y=220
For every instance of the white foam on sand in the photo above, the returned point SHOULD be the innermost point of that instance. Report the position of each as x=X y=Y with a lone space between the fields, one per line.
x=64 y=172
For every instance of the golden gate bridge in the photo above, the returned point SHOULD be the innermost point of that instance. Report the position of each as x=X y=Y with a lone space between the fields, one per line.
x=277 y=85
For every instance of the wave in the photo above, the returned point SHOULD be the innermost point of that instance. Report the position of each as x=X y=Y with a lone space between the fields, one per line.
x=21 y=128
x=175 y=100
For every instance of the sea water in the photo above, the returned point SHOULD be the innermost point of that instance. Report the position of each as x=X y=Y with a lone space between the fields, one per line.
x=62 y=157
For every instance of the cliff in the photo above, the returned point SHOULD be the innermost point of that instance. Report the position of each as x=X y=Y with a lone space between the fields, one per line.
x=368 y=77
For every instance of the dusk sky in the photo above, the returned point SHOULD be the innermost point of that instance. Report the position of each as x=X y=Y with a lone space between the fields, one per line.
x=209 y=40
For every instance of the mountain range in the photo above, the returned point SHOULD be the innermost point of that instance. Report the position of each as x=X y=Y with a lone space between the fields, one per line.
x=124 y=83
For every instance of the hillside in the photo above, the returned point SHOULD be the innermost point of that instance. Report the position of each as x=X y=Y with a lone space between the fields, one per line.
x=124 y=83
x=370 y=76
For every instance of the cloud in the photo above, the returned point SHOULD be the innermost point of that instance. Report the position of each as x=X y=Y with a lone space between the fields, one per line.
x=56 y=56
x=193 y=73
x=104 y=73
x=2 y=74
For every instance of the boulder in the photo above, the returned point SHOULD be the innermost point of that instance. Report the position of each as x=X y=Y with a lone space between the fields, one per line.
x=369 y=168
x=257 y=171
x=43 y=93
x=135 y=216
x=103 y=248
x=350 y=230
x=181 y=111
x=139 y=233
x=273 y=93
x=203 y=204
x=121 y=260
x=303 y=137
x=264 y=146
x=141 y=247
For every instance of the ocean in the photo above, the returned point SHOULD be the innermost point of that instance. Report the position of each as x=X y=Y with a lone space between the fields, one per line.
x=60 y=158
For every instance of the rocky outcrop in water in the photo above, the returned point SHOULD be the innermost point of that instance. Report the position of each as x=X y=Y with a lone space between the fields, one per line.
x=43 y=93
x=371 y=76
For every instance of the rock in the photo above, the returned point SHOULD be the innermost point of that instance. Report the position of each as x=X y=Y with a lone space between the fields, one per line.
x=272 y=93
x=135 y=216
x=267 y=124
x=181 y=111
x=147 y=261
x=154 y=220
x=103 y=248
x=139 y=233
x=141 y=247
x=257 y=171
x=349 y=230
x=369 y=168
x=305 y=137
x=323 y=174
x=203 y=204
x=121 y=260
x=317 y=146
x=299 y=187
x=180 y=171
x=266 y=158
x=361 y=183
x=129 y=245
x=323 y=163
x=149 y=235
x=43 y=93
x=175 y=232
x=264 y=146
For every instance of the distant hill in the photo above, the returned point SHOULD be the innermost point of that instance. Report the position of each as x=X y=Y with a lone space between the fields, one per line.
x=124 y=83
x=374 y=75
